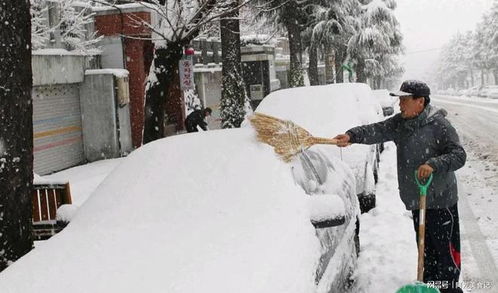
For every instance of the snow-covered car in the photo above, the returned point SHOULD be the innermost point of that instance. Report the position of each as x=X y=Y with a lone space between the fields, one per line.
x=387 y=102
x=213 y=211
x=472 y=91
x=489 y=91
x=327 y=111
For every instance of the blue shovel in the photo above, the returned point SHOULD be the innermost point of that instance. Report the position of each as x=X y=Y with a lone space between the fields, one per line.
x=419 y=286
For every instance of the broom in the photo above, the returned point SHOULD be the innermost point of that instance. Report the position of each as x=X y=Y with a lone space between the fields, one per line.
x=286 y=138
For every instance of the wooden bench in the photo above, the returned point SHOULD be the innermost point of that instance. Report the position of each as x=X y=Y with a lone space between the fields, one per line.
x=46 y=199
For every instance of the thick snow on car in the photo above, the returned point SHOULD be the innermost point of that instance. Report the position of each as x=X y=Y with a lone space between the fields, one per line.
x=386 y=101
x=327 y=111
x=213 y=211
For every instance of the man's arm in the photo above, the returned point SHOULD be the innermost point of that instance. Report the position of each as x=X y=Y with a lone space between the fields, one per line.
x=373 y=133
x=203 y=125
x=454 y=156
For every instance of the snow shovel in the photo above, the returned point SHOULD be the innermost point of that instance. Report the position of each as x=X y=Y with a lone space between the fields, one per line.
x=419 y=286
x=287 y=138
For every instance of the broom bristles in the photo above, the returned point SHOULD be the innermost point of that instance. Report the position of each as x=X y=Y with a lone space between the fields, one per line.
x=284 y=136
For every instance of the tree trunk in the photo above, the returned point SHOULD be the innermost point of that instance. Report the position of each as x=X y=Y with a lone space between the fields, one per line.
x=313 y=65
x=495 y=75
x=360 y=71
x=163 y=99
x=16 y=132
x=340 y=57
x=295 y=74
x=329 y=64
x=233 y=92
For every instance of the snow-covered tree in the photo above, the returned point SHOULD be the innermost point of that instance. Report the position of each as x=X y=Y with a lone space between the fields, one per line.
x=332 y=25
x=178 y=23
x=290 y=15
x=16 y=132
x=234 y=101
x=473 y=52
x=378 y=35
x=63 y=23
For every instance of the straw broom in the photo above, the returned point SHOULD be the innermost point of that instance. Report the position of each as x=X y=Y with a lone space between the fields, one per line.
x=286 y=137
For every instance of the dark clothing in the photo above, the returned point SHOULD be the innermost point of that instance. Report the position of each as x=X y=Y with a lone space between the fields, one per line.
x=195 y=119
x=426 y=139
x=442 y=248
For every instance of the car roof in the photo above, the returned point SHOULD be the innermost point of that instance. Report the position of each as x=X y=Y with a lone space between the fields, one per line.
x=324 y=110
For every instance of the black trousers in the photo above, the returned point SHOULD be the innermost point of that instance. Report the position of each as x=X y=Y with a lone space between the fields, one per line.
x=442 y=248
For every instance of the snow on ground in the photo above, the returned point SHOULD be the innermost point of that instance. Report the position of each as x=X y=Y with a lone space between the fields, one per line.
x=85 y=178
x=388 y=251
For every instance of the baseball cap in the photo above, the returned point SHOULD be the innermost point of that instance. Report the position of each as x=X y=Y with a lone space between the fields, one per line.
x=413 y=88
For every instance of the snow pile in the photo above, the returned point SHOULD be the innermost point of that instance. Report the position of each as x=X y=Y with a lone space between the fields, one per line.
x=66 y=212
x=205 y=212
x=114 y=71
x=83 y=179
x=326 y=206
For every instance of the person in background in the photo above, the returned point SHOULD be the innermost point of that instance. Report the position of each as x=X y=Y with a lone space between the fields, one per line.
x=197 y=118
x=428 y=144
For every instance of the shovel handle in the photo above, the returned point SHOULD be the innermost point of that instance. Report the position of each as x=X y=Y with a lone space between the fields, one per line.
x=322 y=140
x=423 y=187
x=421 y=224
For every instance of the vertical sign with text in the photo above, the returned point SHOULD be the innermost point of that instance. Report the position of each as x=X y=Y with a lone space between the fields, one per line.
x=186 y=74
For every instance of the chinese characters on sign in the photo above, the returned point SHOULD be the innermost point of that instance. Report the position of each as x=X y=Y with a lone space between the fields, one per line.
x=186 y=74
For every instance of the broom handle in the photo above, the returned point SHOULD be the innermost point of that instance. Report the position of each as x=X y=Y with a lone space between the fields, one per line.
x=322 y=140
x=421 y=239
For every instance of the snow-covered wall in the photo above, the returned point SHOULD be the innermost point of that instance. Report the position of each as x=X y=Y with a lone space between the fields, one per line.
x=57 y=66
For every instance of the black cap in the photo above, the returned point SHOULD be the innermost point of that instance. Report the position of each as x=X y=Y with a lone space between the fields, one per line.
x=414 y=88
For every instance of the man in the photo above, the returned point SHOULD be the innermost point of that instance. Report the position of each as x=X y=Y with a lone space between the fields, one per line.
x=428 y=143
x=196 y=118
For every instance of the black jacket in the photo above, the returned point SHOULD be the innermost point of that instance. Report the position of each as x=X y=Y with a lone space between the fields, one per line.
x=195 y=118
x=428 y=138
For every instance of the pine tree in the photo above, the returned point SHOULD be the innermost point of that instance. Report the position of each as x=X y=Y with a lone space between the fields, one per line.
x=290 y=15
x=377 y=36
x=16 y=132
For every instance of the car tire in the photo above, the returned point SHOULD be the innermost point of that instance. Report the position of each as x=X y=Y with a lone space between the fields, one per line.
x=367 y=202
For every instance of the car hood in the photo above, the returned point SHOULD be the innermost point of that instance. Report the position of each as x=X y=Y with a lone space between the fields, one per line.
x=205 y=212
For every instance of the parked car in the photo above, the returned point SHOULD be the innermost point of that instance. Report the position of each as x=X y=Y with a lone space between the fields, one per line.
x=489 y=91
x=472 y=91
x=213 y=211
x=329 y=110
x=386 y=101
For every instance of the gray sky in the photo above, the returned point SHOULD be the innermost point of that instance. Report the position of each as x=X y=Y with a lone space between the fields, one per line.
x=429 y=24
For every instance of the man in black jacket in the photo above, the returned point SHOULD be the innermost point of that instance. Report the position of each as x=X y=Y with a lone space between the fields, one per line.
x=428 y=143
x=196 y=118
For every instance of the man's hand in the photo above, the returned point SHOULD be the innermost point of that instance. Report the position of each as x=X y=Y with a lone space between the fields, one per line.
x=343 y=140
x=424 y=171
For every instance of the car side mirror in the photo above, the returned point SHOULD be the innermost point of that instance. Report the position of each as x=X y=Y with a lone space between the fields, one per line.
x=326 y=210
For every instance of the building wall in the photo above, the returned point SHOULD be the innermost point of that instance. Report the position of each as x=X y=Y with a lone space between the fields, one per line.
x=138 y=54
x=57 y=137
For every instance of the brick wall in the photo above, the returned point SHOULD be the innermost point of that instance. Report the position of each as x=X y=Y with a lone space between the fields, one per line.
x=138 y=57
x=125 y=23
